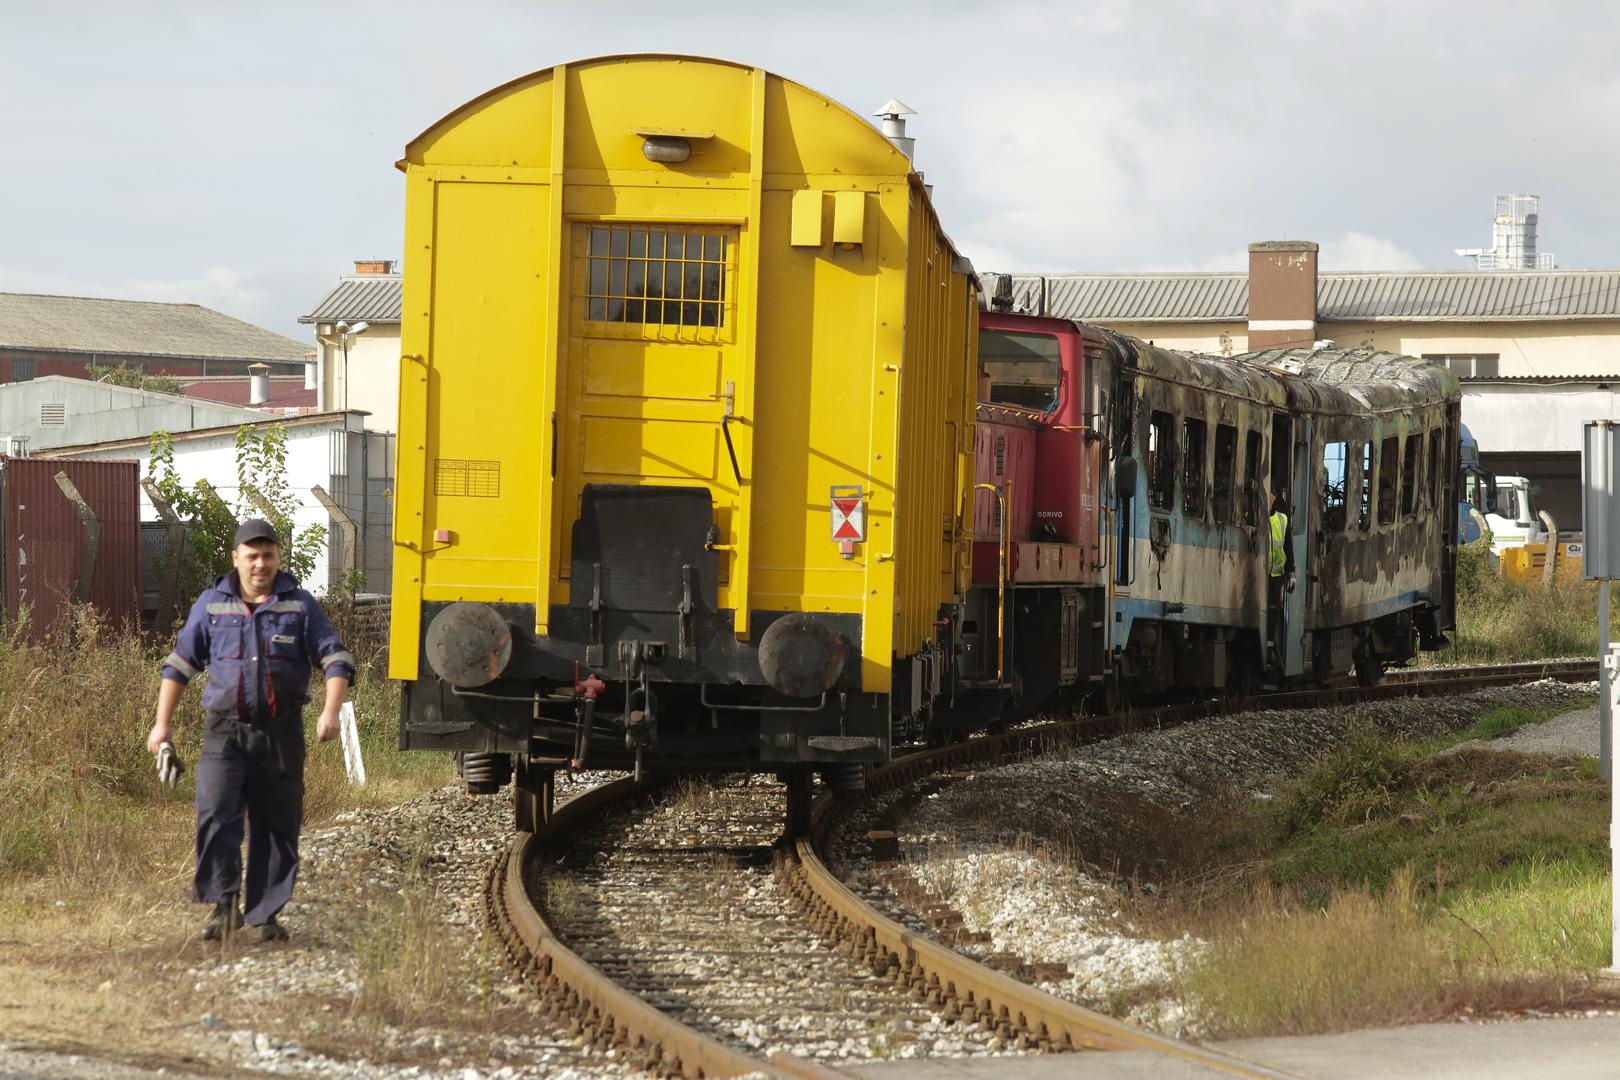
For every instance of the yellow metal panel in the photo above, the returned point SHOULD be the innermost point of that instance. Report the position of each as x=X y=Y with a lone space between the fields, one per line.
x=410 y=468
x=630 y=93
x=816 y=135
x=510 y=125
x=554 y=367
x=638 y=370
x=483 y=477
x=665 y=449
x=807 y=219
x=742 y=524
x=849 y=217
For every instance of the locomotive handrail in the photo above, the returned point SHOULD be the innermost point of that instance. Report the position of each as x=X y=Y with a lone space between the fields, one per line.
x=1001 y=575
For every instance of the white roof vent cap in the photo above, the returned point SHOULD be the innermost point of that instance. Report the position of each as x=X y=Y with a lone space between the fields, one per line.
x=893 y=113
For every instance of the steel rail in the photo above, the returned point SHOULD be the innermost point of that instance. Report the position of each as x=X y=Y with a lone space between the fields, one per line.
x=575 y=991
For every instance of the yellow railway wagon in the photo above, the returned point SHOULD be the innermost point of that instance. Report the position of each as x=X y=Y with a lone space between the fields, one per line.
x=685 y=431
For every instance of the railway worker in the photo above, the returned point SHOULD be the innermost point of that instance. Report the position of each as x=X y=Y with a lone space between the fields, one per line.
x=258 y=634
x=1279 y=576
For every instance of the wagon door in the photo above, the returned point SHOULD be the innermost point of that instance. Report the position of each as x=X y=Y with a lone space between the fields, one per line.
x=1290 y=474
x=654 y=366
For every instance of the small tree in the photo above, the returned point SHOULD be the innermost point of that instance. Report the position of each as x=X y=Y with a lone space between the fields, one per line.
x=134 y=377
x=261 y=483
x=210 y=523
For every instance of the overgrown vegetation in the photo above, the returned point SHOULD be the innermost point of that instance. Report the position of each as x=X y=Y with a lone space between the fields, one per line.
x=408 y=970
x=1395 y=882
x=81 y=812
x=135 y=378
x=210 y=522
x=1502 y=621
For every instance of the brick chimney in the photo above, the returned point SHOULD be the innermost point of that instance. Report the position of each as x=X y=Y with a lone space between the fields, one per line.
x=374 y=266
x=1282 y=295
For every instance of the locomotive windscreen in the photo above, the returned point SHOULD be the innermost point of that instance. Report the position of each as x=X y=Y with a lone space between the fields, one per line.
x=1023 y=368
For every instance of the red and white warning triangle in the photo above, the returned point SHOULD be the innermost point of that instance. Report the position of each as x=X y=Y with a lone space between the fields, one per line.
x=848 y=518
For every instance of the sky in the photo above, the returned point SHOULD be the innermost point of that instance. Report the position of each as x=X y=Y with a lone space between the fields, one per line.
x=241 y=155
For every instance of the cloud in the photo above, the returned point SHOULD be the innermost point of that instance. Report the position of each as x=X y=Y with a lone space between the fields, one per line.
x=1360 y=251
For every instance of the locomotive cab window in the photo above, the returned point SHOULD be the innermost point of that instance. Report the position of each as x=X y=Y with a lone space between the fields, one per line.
x=1024 y=369
x=1389 y=457
x=1225 y=472
x=648 y=277
x=1334 y=471
x=1192 y=472
x=1410 y=503
x=1161 y=460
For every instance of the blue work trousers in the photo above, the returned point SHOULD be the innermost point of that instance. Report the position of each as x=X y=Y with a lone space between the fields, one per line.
x=251 y=772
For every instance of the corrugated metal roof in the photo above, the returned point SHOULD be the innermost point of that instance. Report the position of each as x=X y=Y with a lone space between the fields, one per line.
x=1341 y=296
x=360 y=297
x=84 y=324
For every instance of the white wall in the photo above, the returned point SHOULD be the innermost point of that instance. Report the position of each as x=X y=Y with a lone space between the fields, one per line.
x=213 y=458
x=1536 y=418
x=371 y=380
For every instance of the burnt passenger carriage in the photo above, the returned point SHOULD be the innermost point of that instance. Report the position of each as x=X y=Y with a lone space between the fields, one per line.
x=1153 y=473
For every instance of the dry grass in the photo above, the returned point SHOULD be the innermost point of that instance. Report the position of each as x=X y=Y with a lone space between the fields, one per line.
x=95 y=856
x=1280 y=967
x=1392 y=884
x=1501 y=621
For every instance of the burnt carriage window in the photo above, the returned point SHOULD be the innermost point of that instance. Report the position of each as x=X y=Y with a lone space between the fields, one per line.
x=1335 y=462
x=1389 y=457
x=1364 y=516
x=1434 y=469
x=666 y=275
x=1409 y=475
x=1161 y=460
x=1225 y=471
x=1192 y=469
x=1251 y=480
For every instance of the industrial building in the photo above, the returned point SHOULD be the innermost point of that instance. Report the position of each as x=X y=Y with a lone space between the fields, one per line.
x=76 y=336
x=357 y=343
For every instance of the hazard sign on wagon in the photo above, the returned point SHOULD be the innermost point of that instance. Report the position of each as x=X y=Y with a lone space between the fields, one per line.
x=848 y=513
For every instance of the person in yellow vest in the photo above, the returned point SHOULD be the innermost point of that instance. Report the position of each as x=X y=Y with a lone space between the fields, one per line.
x=1279 y=577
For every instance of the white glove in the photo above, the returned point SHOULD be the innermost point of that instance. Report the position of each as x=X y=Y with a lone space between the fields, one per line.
x=169 y=765
x=1290 y=582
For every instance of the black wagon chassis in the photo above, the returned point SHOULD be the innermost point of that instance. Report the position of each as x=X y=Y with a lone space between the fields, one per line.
x=643 y=661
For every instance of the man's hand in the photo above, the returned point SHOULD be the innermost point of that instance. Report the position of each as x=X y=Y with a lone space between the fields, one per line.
x=159 y=735
x=326 y=727
x=1290 y=582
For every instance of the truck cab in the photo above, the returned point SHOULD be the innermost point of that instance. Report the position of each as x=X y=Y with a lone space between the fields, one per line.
x=1512 y=519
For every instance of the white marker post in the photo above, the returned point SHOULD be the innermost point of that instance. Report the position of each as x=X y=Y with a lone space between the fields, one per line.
x=349 y=731
x=1611 y=667
x=1600 y=513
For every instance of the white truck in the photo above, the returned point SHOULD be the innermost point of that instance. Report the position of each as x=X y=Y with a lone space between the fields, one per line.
x=1513 y=520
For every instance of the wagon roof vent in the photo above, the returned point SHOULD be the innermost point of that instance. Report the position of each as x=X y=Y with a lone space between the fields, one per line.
x=893 y=114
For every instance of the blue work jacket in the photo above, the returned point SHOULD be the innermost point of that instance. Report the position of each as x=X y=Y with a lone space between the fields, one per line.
x=259 y=661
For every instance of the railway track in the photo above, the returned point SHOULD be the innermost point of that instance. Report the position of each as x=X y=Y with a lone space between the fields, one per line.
x=591 y=999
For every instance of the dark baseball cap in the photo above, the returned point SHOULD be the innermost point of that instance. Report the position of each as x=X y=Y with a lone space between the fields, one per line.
x=255 y=529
